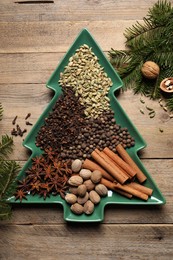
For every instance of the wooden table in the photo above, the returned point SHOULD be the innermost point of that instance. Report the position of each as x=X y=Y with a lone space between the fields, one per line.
x=34 y=37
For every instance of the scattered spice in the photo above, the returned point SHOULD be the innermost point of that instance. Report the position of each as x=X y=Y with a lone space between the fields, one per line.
x=27 y=116
x=141 y=110
x=161 y=130
x=14 y=120
x=28 y=123
x=142 y=101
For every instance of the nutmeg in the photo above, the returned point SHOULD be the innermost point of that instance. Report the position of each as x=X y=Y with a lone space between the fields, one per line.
x=85 y=174
x=77 y=208
x=81 y=190
x=96 y=176
x=89 y=184
x=101 y=189
x=94 y=197
x=71 y=198
x=88 y=207
x=82 y=200
x=150 y=70
x=75 y=180
x=76 y=165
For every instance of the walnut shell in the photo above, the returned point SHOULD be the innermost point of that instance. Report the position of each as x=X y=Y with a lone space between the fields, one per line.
x=77 y=208
x=150 y=70
x=88 y=207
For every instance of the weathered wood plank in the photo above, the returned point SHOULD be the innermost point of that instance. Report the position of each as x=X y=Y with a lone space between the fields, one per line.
x=11 y=10
x=82 y=241
x=19 y=99
x=58 y=36
x=160 y=171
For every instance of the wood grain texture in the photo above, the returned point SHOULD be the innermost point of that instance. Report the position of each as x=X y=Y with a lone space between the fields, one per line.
x=19 y=99
x=34 y=38
x=53 y=36
x=71 y=241
x=70 y=10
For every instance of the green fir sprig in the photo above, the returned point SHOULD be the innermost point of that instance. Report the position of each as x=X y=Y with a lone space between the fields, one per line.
x=8 y=172
x=150 y=40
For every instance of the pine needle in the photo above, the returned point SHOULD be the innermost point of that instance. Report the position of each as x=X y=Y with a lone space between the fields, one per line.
x=6 y=146
x=148 y=40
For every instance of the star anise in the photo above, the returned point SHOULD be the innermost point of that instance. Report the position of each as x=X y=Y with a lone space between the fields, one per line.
x=20 y=194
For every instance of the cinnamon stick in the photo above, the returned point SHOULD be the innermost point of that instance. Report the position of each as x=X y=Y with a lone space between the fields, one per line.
x=112 y=186
x=125 y=156
x=117 y=159
x=114 y=171
x=132 y=191
x=88 y=164
x=111 y=162
x=141 y=188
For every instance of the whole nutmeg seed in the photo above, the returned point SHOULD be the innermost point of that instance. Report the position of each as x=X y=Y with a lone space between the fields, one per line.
x=70 y=198
x=82 y=200
x=73 y=190
x=75 y=180
x=81 y=190
x=77 y=208
x=150 y=70
x=76 y=165
x=85 y=174
x=89 y=184
x=94 y=197
x=96 y=176
x=88 y=207
x=101 y=189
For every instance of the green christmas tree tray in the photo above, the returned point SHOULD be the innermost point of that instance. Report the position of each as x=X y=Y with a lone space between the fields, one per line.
x=157 y=198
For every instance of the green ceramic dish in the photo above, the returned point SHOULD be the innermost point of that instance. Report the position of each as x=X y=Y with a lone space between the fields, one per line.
x=157 y=198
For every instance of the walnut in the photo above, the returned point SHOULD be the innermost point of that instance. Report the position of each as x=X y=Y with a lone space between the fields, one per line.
x=150 y=70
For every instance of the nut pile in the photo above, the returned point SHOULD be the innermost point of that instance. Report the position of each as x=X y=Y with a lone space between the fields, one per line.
x=89 y=81
x=85 y=190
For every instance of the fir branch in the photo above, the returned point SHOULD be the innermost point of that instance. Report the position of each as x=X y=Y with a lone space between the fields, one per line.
x=6 y=146
x=8 y=173
x=169 y=103
x=5 y=211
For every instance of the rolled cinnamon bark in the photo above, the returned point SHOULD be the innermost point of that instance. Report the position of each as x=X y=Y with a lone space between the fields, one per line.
x=126 y=157
x=88 y=164
x=132 y=191
x=117 y=159
x=111 y=186
x=114 y=171
x=141 y=188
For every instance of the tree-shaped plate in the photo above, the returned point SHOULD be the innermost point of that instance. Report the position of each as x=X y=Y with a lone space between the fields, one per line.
x=121 y=118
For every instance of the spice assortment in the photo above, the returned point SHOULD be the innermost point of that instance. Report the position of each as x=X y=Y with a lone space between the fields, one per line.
x=78 y=130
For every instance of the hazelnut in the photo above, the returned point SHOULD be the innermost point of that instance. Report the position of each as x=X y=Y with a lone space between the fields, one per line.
x=88 y=207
